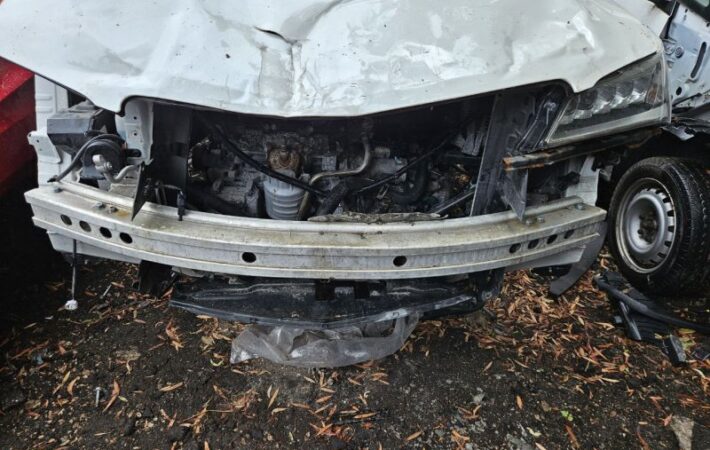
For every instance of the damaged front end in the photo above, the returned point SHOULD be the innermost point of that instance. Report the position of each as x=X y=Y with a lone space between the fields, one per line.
x=291 y=214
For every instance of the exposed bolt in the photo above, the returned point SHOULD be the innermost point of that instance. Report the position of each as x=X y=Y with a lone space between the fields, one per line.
x=529 y=222
x=57 y=190
x=580 y=206
x=112 y=209
x=679 y=52
x=486 y=295
x=99 y=205
x=540 y=219
x=97 y=390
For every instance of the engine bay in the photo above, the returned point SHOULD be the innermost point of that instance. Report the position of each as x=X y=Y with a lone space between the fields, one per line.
x=414 y=164
x=443 y=160
x=287 y=170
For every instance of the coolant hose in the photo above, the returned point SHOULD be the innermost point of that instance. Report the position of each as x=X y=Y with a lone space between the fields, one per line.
x=419 y=185
x=337 y=194
x=366 y=159
x=210 y=201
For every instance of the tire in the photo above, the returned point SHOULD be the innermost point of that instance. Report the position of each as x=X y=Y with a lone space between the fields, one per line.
x=659 y=226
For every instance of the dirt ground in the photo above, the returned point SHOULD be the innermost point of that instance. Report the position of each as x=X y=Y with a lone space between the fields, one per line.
x=528 y=372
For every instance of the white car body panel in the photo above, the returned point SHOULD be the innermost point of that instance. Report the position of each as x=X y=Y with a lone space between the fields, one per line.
x=317 y=58
x=649 y=14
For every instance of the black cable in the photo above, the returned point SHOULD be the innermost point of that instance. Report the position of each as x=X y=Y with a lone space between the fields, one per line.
x=404 y=169
x=646 y=311
x=453 y=201
x=80 y=154
x=260 y=167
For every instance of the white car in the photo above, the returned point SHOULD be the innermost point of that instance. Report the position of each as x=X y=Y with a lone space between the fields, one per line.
x=331 y=162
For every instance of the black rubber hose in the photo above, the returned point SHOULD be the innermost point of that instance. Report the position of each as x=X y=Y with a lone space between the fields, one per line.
x=80 y=154
x=646 y=311
x=421 y=179
x=404 y=169
x=260 y=167
x=210 y=201
x=337 y=194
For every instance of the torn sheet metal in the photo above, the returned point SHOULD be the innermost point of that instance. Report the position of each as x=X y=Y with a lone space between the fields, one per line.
x=317 y=57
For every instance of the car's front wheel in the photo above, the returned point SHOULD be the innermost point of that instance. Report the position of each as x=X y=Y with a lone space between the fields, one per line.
x=659 y=226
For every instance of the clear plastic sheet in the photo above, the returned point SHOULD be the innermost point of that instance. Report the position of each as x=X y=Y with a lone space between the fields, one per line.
x=323 y=348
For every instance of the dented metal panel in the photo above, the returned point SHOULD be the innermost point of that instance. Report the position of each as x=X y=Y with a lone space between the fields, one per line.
x=317 y=58
x=647 y=12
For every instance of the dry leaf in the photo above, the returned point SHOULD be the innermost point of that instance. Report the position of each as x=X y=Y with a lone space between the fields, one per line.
x=324 y=399
x=172 y=332
x=70 y=386
x=642 y=441
x=301 y=406
x=572 y=438
x=413 y=436
x=273 y=398
x=457 y=437
x=64 y=380
x=114 y=395
x=667 y=420
x=171 y=387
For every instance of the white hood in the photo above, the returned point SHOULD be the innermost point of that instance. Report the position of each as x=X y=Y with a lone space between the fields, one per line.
x=316 y=58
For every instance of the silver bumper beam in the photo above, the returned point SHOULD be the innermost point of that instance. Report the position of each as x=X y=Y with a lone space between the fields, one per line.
x=284 y=249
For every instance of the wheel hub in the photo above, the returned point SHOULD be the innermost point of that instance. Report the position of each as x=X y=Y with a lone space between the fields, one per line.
x=649 y=228
x=647 y=225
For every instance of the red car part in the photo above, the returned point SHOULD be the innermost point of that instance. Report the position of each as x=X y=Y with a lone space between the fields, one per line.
x=17 y=119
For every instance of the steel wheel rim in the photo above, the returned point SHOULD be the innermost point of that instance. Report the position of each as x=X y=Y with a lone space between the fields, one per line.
x=646 y=225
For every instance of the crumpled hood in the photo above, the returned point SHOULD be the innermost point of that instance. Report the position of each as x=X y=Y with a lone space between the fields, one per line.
x=316 y=58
